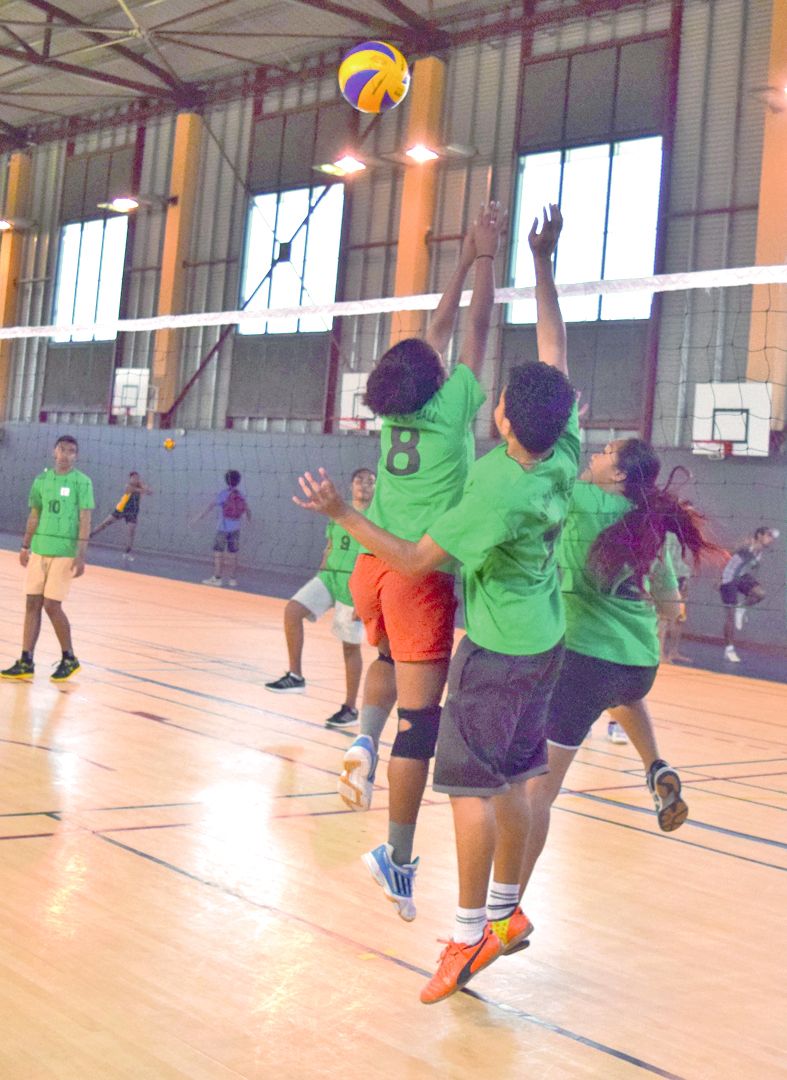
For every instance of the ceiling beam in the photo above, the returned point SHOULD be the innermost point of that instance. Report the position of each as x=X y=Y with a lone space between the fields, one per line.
x=86 y=73
x=368 y=22
x=411 y=18
x=51 y=10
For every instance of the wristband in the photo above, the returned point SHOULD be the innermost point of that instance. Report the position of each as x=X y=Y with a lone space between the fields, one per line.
x=483 y=257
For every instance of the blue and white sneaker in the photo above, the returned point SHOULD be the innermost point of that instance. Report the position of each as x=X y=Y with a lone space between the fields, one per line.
x=395 y=881
x=356 y=784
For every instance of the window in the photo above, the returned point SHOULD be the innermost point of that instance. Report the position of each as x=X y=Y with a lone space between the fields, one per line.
x=301 y=230
x=90 y=276
x=609 y=195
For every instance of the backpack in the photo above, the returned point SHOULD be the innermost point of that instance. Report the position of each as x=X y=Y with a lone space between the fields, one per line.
x=234 y=505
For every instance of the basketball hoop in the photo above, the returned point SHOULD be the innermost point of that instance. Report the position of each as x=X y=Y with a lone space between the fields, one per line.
x=715 y=449
x=354 y=424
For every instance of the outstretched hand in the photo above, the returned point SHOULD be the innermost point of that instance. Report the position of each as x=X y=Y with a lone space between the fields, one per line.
x=488 y=227
x=543 y=242
x=321 y=495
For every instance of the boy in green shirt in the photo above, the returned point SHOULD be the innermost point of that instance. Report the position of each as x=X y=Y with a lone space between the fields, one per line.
x=330 y=588
x=503 y=531
x=53 y=552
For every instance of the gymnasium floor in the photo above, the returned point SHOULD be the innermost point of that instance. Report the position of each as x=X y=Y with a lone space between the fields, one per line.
x=183 y=898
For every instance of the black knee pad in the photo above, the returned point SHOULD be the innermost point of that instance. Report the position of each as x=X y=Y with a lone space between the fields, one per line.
x=386 y=659
x=420 y=739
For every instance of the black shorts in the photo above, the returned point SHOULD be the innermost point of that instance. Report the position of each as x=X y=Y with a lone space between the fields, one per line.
x=744 y=584
x=130 y=518
x=492 y=726
x=586 y=688
x=227 y=541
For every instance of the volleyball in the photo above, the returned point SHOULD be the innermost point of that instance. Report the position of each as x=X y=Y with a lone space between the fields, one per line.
x=374 y=77
x=169 y=444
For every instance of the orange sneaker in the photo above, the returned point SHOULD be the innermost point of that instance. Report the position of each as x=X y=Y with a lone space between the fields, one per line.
x=458 y=964
x=513 y=931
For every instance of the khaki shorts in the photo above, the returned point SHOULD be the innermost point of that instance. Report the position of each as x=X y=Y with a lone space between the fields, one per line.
x=49 y=577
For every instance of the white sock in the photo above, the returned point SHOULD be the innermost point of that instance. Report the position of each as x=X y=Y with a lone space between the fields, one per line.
x=469 y=925
x=502 y=900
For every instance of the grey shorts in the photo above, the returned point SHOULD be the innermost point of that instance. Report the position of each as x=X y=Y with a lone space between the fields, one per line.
x=227 y=541
x=492 y=726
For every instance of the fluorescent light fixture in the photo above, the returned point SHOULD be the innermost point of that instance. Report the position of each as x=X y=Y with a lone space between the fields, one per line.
x=127 y=204
x=15 y=224
x=5 y=225
x=421 y=153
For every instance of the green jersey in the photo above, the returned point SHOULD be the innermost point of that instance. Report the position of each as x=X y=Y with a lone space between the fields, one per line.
x=618 y=624
x=59 y=497
x=425 y=457
x=504 y=531
x=339 y=563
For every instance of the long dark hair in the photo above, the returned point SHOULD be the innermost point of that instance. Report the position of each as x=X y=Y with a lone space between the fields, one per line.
x=634 y=542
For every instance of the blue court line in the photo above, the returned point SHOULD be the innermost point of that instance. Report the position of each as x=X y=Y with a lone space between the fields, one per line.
x=675 y=840
x=737 y=764
x=56 y=750
x=520 y=1014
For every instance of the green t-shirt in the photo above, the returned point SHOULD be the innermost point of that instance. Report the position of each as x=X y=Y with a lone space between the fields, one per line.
x=615 y=625
x=339 y=564
x=425 y=457
x=59 y=497
x=504 y=533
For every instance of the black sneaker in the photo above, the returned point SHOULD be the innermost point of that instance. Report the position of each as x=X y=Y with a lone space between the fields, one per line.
x=65 y=669
x=665 y=787
x=20 y=669
x=346 y=716
x=287 y=684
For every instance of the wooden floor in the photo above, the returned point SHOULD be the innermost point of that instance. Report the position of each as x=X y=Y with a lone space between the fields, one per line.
x=182 y=894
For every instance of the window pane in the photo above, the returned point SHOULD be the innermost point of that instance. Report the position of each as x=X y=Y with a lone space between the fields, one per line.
x=633 y=219
x=584 y=205
x=87 y=277
x=259 y=254
x=286 y=280
x=322 y=256
x=67 y=277
x=538 y=185
x=111 y=278
x=309 y=275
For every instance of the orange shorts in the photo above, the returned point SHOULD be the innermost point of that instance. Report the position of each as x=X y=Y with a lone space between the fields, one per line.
x=416 y=615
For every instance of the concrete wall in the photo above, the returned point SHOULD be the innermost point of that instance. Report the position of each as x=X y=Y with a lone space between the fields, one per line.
x=737 y=495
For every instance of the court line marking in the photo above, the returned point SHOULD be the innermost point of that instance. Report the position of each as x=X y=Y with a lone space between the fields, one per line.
x=547 y=1025
x=56 y=750
x=677 y=840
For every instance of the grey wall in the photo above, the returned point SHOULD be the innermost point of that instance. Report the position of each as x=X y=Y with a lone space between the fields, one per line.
x=736 y=495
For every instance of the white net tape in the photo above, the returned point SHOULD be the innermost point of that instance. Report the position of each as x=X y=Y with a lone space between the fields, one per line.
x=703 y=279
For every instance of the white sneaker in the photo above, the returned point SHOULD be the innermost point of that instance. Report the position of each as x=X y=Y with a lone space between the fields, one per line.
x=731 y=655
x=128 y=556
x=232 y=583
x=616 y=734
x=212 y=581
x=356 y=784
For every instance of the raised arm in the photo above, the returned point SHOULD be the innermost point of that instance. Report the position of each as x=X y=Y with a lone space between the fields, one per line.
x=550 y=328
x=487 y=231
x=408 y=557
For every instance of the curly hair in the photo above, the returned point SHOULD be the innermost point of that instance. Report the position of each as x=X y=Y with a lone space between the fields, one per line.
x=538 y=403
x=405 y=378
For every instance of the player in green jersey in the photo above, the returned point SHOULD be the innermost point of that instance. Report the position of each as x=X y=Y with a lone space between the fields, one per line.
x=503 y=531
x=617 y=579
x=53 y=553
x=426 y=447
x=330 y=588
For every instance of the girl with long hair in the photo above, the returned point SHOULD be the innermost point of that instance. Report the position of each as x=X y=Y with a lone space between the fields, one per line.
x=617 y=581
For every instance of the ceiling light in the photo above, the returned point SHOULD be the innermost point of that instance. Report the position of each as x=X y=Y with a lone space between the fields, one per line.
x=5 y=225
x=421 y=153
x=127 y=204
x=17 y=224
x=349 y=164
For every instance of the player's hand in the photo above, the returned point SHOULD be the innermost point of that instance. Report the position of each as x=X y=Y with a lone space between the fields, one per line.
x=24 y=556
x=78 y=567
x=488 y=228
x=320 y=494
x=543 y=242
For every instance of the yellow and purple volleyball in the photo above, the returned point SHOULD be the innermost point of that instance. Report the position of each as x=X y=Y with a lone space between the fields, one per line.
x=374 y=77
